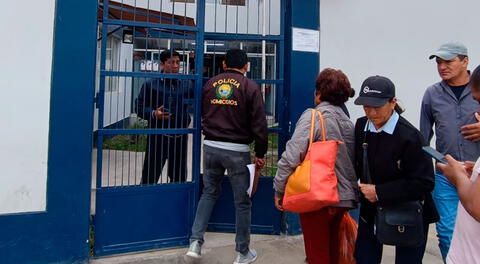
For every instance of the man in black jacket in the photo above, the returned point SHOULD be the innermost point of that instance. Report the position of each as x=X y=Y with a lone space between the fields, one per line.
x=233 y=116
x=164 y=104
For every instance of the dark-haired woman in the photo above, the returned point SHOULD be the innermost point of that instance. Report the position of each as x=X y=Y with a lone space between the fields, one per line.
x=398 y=169
x=321 y=228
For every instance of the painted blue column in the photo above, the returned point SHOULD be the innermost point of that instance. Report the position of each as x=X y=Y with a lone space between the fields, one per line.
x=60 y=234
x=301 y=70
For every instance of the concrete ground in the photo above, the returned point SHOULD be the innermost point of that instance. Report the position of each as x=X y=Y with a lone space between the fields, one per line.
x=219 y=248
x=121 y=168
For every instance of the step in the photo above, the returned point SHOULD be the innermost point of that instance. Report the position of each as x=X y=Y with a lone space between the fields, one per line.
x=219 y=248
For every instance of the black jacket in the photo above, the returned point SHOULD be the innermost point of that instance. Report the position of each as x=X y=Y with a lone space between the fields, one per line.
x=233 y=111
x=399 y=168
x=175 y=96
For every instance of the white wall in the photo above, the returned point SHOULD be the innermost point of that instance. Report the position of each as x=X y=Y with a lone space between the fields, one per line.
x=395 y=38
x=117 y=104
x=26 y=28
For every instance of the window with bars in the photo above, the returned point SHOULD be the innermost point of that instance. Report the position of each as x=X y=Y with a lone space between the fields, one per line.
x=112 y=62
x=223 y=2
x=183 y=1
x=234 y=2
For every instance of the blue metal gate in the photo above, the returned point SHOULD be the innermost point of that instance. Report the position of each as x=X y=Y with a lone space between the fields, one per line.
x=263 y=40
x=148 y=114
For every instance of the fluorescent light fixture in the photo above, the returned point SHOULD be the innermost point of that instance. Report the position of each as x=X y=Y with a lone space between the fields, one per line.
x=127 y=36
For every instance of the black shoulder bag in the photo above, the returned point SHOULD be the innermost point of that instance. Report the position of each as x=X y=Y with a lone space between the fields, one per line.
x=397 y=224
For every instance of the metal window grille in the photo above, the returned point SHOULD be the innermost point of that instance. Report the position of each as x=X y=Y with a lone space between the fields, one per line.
x=183 y=1
x=131 y=84
x=233 y=2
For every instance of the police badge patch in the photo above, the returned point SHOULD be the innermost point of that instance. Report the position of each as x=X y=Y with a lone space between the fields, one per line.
x=224 y=91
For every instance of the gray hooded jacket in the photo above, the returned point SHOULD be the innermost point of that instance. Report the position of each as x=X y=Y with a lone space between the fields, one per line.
x=338 y=127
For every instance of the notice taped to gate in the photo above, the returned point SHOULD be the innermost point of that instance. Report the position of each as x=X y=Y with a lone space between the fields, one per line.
x=306 y=40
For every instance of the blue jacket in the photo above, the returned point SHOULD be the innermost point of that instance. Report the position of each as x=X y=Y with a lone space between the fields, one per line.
x=175 y=96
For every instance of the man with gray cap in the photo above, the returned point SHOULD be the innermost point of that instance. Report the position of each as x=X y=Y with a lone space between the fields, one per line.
x=450 y=106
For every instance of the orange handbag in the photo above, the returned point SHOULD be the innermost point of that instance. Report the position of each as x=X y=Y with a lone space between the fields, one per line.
x=313 y=185
x=347 y=237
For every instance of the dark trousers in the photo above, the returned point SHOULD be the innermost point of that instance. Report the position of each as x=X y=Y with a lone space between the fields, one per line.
x=369 y=251
x=321 y=234
x=161 y=148
x=215 y=162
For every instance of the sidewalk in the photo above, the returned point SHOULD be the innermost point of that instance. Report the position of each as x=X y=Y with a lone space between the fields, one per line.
x=219 y=248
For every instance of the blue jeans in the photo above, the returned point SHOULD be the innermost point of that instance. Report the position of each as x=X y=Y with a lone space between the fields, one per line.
x=445 y=197
x=355 y=214
x=215 y=162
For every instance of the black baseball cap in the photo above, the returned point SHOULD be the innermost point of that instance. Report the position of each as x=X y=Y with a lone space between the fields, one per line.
x=376 y=91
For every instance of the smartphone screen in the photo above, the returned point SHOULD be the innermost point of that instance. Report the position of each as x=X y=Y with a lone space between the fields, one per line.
x=435 y=154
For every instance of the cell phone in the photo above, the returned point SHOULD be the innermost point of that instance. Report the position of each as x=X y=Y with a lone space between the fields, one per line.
x=165 y=110
x=435 y=154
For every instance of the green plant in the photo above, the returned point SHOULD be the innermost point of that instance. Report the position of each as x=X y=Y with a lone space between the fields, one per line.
x=273 y=141
x=91 y=240
x=270 y=169
x=271 y=157
x=136 y=143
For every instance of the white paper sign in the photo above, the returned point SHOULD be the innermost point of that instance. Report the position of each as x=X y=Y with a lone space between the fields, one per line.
x=251 y=170
x=307 y=40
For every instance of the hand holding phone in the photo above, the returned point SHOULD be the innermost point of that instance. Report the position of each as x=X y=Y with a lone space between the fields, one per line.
x=439 y=157
x=162 y=113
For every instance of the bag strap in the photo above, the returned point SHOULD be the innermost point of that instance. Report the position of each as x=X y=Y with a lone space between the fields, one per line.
x=312 y=127
x=322 y=122
x=366 y=170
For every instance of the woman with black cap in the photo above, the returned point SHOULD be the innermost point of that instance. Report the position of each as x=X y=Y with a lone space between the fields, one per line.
x=394 y=172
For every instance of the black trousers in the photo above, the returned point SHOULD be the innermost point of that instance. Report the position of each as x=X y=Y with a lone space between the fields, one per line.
x=369 y=251
x=161 y=148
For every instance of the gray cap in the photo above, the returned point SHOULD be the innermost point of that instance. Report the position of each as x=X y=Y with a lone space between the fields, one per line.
x=449 y=51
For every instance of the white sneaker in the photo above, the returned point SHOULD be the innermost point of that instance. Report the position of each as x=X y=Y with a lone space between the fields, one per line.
x=195 y=250
x=250 y=257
